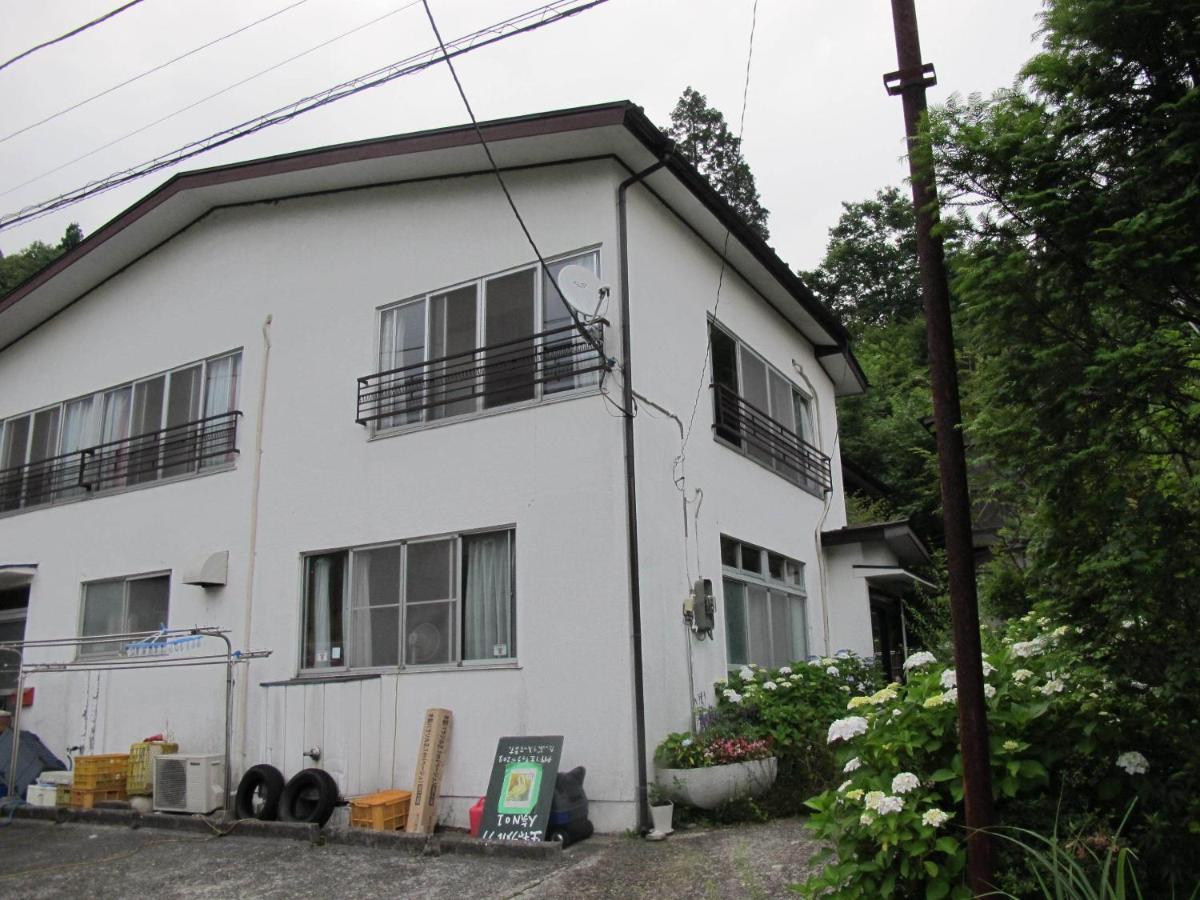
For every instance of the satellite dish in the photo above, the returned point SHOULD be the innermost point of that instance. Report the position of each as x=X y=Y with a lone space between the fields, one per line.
x=582 y=290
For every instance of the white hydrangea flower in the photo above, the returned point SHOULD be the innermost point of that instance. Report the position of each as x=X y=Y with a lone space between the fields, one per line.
x=889 y=805
x=847 y=728
x=1043 y=621
x=785 y=670
x=1053 y=686
x=988 y=668
x=686 y=742
x=746 y=673
x=905 y=782
x=873 y=798
x=827 y=660
x=769 y=686
x=732 y=696
x=896 y=712
x=785 y=684
x=1133 y=763
x=949 y=679
x=796 y=676
x=843 y=786
x=853 y=766
x=1059 y=631
x=1010 y=746
x=1021 y=675
x=866 y=819
x=1028 y=648
x=935 y=818
x=1128 y=623
x=846 y=688
x=1138 y=685
x=950 y=696
x=832 y=670
x=989 y=691
x=921 y=658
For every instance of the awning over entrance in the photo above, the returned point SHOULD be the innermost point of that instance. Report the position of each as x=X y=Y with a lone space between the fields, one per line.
x=892 y=578
x=16 y=574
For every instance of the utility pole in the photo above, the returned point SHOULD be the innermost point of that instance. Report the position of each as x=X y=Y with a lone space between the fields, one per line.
x=910 y=82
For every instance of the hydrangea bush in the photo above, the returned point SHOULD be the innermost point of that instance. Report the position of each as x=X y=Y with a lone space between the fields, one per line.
x=893 y=827
x=791 y=707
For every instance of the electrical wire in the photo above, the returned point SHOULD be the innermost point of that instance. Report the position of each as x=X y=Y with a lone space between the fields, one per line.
x=158 y=68
x=521 y=24
x=212 y=96
x=725 y=247
x=69 y=34
x=587 y=335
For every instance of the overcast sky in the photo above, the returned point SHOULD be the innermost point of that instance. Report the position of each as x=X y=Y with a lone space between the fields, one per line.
x=819 y=127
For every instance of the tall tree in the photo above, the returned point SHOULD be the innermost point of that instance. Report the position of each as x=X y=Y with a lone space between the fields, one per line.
x=1081 y=294
x=24 y=263
x=704 y=139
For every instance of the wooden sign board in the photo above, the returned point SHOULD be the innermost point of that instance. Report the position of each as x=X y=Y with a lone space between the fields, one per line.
x=521 y=789
x=431 y=762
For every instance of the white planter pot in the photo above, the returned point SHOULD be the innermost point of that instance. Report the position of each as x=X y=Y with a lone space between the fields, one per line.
x=709 y=787
x=662 y=816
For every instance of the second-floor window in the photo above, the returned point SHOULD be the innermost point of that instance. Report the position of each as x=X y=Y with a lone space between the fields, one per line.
x=490 y=342
x=761 y=413
x=174 y=423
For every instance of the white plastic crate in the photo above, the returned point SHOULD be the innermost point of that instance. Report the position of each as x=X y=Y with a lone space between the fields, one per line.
x=42 y=795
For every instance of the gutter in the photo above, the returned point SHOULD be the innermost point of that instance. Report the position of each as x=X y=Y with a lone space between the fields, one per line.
x=635 y=593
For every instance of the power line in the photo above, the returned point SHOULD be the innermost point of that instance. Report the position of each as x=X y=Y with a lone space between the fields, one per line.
x=69 y=34
x=725 y=247
x=525 y=22
x=158 y=68
x=580 y=327
x=205 y=99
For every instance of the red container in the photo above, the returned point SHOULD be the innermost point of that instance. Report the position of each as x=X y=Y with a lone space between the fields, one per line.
x=476 y=817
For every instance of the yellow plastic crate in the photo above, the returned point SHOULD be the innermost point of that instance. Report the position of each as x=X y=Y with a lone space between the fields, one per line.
x=140 y=773
x=82 y=798
x=103 y=772
x=381 y=811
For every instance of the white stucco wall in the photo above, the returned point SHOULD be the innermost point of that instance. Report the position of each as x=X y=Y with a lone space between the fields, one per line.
x=673 y=278
x=320 y=267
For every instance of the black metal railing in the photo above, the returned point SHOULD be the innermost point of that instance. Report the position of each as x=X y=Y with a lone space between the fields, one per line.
x=178 y=450
x=510 y=372
x=770 y=442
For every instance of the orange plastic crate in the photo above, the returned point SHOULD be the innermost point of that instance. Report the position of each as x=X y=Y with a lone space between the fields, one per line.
x=103 y=772
x=81 y=798
x=381 y=811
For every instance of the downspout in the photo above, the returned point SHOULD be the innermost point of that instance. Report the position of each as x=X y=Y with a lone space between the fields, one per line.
x=635 y=594
x=244 y=687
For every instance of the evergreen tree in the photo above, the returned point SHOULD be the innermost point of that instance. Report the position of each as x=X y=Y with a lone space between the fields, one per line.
x=704 y=139
x=24 y=263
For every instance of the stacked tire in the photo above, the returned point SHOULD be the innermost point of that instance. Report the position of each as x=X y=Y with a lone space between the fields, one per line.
x=308 y=796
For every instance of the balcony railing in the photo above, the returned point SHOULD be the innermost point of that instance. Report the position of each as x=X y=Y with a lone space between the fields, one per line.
x=546 y=363
x=770 y=442
x=179 y=450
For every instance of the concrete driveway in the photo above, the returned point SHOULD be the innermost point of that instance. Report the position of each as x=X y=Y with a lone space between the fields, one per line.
x=43 y=859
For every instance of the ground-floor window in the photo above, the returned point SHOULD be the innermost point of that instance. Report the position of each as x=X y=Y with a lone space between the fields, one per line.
x=765 y=614
x=138 y=603
x=421 y=602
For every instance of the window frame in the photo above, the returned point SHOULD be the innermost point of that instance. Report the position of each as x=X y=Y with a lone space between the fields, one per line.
x=125 y=581
x=92 y=431
x=795 y=592
x=480 y=285
x=457 y=576
x=802 y=429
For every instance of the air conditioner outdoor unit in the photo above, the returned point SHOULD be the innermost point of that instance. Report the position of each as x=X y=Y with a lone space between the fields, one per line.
x=185 y=782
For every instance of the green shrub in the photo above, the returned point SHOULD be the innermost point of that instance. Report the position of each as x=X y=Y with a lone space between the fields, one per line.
x=894 y=826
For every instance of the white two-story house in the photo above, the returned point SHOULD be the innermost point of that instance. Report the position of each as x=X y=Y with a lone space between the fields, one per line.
x=341 y=380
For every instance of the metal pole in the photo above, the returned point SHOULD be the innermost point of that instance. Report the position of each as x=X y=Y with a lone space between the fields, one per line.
x=11 y=798
x=910 y=83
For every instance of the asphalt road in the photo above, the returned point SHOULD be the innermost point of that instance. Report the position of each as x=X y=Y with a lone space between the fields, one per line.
x=42 y=859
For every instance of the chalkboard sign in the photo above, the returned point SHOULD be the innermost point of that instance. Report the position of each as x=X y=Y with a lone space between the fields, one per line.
x=521 y=789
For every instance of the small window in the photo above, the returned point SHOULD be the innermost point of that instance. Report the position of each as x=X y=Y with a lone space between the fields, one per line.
x=123 y=606
x=765 y=614
x=434 y=602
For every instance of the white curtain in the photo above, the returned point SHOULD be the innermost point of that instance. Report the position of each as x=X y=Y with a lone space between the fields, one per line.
x=322 y=570
x=112 y=460
x=488 y=595
x=360 y=612
x=220 y=396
